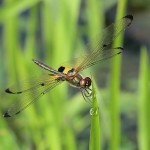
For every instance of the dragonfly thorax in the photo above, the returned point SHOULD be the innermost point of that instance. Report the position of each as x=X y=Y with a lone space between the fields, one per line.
x=74 y=78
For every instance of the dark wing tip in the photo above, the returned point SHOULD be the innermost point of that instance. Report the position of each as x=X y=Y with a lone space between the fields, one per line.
x=121 y=48
x=129 y=17
x=8 y=91
x=6 y=115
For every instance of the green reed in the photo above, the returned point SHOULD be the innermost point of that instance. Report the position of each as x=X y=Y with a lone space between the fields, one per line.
x=143 y=102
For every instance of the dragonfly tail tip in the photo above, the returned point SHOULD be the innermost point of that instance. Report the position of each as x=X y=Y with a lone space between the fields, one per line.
x=34 y=60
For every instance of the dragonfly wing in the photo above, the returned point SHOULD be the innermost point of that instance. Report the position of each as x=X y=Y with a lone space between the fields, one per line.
x=92 y=59
x=31 y=83
x=100 y=45
x=112 y=31
x=31 y=94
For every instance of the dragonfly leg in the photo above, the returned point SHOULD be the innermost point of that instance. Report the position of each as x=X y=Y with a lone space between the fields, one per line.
x=87 y=95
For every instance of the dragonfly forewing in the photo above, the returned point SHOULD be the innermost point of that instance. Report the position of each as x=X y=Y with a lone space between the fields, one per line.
x=100 y=48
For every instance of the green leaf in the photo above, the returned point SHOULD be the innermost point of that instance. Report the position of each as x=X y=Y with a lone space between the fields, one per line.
x=95 y=123
x=143 y=105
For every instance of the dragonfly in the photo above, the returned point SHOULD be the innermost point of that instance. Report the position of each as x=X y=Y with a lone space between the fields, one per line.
x=101 y=50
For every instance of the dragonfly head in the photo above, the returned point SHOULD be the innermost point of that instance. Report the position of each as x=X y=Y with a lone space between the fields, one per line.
x=86 y=82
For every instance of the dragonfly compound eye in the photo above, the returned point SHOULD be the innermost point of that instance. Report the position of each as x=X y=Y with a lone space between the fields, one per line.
x=88 y=81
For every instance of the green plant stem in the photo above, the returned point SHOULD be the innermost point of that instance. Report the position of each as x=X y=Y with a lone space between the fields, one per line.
x=95 y=124
x=114 y=89
x=143 y=105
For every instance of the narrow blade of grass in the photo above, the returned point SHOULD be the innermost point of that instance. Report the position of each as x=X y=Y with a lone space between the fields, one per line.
x=95 y=123
x=143 y=109
x=115 y=85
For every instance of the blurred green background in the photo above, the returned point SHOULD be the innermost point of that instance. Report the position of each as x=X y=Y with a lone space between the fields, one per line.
x=55 y=31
